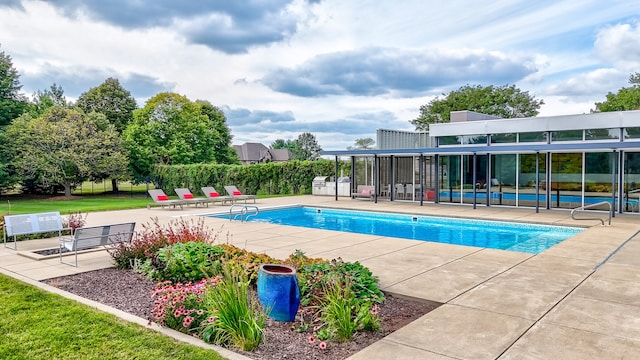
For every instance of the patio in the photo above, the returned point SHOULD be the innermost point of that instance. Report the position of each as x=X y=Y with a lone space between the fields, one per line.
x=497 y=304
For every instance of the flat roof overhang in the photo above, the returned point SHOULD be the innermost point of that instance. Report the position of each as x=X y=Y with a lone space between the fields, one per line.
x=590 y=146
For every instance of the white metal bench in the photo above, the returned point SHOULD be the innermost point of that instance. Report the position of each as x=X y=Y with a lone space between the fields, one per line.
x=27 y=224
x=363 y=192
x=95 y=236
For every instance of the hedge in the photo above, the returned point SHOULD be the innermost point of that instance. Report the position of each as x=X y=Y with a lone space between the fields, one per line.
x=291 y=177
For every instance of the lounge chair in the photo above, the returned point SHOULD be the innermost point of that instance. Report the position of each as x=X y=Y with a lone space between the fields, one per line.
x=213 y=195
x=161 y=199
x=236 y=194
x=185 y=195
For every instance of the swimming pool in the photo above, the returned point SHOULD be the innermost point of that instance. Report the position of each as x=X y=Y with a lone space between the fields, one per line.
x=529 y=238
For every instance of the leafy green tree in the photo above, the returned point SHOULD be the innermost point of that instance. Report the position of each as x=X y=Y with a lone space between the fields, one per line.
x=12 y=102
x=64 y=147
x=505 y=101
x=223 y=152
x=169 y=130
x=8 y=176
x=627 y=98
x=115 y=103
x=112 y=100
x=43 y=100
x=363 y=144
x=283 y=144
x=306 y=147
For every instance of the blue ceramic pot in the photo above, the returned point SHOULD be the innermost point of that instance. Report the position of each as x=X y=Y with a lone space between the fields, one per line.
x=278 y=291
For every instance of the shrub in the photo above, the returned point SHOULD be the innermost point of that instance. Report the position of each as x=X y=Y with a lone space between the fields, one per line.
x=247 y=262
x=179 y=306
x=235 y=318
x=313 y=277
x=155 y=236
x=342 y=314
x=183 y=262
x=299 y=260
x=74 y=221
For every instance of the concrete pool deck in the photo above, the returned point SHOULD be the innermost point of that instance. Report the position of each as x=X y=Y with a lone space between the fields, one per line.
x=496 y=304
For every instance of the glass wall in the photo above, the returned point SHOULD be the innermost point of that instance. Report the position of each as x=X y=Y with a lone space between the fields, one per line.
x=526 y=180
x=566 y=180
x=450 y=178
x=631 y=182
x=598 y=177
x=504 y=175
x=384 y=176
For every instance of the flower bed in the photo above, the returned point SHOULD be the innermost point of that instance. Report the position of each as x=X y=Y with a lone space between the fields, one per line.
x=208 y=290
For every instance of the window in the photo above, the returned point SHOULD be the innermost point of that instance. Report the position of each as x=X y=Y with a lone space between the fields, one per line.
x=532 y=137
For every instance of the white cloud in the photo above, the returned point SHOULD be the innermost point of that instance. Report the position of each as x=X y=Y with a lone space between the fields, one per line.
x=364 y=65
x=620 y=45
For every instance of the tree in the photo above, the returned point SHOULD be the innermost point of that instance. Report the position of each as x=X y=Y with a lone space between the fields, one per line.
x=283 y=144
x=627 y=98
x=170 y=129
x=64 y=147
x=223 y=152
x=12 y=102
x=306 y=147
x=43 y=100
x=503 y=101
x=363 y=144
x=112 y=100
x=8 y=175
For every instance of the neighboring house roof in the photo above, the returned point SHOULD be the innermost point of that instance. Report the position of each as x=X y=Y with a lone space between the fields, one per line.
x=253 y=152
x=281 y=154
x=257 y=153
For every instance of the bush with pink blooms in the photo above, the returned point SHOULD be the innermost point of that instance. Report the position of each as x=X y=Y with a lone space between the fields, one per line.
x=179 y=306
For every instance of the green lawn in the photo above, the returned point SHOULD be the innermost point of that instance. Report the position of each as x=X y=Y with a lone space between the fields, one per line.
x=40 y=325
x=86 y=203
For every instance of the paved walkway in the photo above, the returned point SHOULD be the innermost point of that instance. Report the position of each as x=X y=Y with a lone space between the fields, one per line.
x=496 y=304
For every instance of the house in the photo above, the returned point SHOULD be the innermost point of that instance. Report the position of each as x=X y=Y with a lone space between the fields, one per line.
x=554 y=162
x=257 y=153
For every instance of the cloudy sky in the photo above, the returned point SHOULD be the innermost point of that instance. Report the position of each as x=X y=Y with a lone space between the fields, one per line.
x=338 y=69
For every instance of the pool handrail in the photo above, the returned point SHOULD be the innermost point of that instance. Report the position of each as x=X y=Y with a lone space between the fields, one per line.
x=582 y=208
x=245 y=212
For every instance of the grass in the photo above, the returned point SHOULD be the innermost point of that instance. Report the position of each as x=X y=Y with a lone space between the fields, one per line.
x=40 y=325
x=87 y=203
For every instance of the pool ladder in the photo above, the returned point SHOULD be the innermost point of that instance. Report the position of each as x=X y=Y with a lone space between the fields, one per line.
x=242 y=212
x=583 y=208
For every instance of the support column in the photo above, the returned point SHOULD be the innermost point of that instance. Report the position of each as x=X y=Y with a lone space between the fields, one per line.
x=538 y=183
x=376 y=178
x=474 y=181
x=436 y=183
x=421 y=175
x=336 y=177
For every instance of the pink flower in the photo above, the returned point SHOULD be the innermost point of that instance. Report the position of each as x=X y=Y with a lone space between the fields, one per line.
x=211 y=319
x=187 y=321
x=311 y=339
x=322 y=345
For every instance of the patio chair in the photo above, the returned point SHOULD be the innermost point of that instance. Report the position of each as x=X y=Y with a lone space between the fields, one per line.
x=236 y=194
x=161 y=199
x=213 y=195
x=185 y=195
x=400 y=190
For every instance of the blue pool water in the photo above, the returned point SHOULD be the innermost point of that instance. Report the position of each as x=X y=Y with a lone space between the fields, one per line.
x=529 y=238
